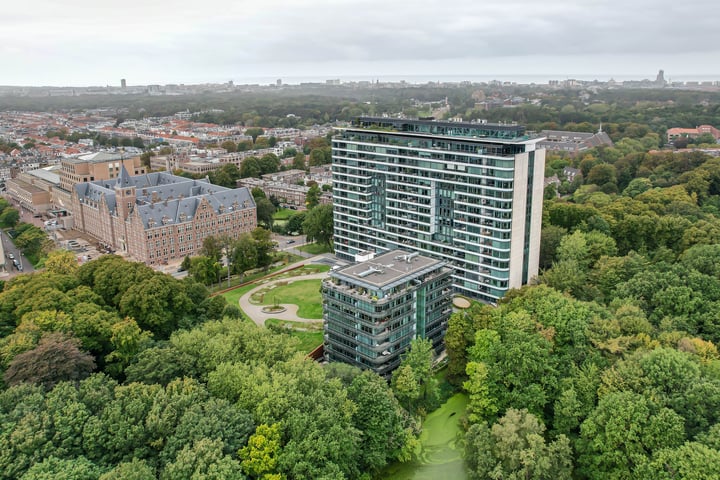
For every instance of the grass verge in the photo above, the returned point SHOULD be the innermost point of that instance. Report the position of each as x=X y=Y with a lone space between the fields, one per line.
x=315 y=248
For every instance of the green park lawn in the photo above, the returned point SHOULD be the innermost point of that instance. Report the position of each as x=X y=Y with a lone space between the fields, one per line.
x=309 y=334
x=283 y=214
x=233 y=296
x=303 y=293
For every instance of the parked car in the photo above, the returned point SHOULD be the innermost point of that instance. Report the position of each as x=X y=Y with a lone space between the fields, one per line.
x=11 y=256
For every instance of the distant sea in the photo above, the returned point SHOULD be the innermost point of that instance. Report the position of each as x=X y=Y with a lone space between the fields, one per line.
x=423 y=79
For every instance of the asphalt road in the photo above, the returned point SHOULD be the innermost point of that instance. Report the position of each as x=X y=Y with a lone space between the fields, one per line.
x=9 y=247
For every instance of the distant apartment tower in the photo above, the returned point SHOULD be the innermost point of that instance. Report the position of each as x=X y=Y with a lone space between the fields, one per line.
x=660 y=79
x=123 y=83
x=467 y=193
x=372 y=310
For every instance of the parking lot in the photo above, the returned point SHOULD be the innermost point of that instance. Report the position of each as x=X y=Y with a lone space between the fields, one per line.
x=83 y=246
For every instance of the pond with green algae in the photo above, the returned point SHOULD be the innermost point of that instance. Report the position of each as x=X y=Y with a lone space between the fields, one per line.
x=439 y=456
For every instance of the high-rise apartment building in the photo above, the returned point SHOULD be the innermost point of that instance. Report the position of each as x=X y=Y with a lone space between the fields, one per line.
x=372 y=310
x=467 y=193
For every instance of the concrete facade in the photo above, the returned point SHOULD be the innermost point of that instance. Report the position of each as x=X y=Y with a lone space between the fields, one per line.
x=96 y=166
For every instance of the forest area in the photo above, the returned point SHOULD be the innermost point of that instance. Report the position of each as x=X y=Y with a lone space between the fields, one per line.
x=606 y=367
x=112 y=370
x=301 y=107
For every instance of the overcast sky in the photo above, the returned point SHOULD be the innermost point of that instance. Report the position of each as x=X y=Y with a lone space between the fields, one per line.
x=95 y=42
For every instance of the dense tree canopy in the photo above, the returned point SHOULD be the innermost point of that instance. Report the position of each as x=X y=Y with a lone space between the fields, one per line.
x=606 y=368
x=614 y=352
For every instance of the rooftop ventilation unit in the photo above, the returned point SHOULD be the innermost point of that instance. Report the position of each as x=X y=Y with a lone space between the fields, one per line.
x=411 y=256
x=369 y=271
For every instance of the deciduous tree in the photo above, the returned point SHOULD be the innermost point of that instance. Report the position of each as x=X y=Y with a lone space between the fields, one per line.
x=622 y=433
x=312 y=198
x=318 y=224
x=515 y=448
x=56 y=358
x=132 y=470
x=299 y=161
x=259 y=456
x=61 y=262
x=53 y=468
x=204 y=459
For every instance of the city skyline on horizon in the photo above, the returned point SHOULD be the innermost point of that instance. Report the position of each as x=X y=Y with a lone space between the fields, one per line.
x=412 y=79
x=43 y=43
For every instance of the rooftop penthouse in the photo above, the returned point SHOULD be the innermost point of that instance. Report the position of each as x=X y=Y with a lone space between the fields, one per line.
x=429 y=126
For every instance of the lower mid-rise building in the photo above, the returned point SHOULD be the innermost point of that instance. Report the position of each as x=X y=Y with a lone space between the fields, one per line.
x=158 y=217
x=372 y=310
x=96 y=166
x=573 y=143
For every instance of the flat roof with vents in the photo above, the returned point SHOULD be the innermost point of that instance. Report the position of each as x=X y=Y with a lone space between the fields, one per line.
x=388 y=268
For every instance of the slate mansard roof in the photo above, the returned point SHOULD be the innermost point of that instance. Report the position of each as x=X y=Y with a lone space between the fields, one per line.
x=163 y=198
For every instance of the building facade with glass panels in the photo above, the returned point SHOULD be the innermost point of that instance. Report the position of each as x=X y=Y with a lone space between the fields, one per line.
x=372 y=310
x=467 y=193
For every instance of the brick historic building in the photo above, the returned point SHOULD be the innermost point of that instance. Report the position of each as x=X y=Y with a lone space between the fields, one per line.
x=158 y=217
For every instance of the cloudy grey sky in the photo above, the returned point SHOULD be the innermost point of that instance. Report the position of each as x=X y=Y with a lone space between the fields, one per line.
x=93 y=42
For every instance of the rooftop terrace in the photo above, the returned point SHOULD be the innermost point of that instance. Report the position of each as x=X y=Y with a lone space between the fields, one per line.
x=387 y=269
x=480 y=130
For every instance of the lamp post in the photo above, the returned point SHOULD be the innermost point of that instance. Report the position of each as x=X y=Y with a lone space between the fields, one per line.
x=227 y=261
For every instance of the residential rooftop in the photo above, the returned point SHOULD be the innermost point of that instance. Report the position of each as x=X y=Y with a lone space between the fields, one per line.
x=429 y=126
x=47 y=173
x=388 y=269
x=99 y=157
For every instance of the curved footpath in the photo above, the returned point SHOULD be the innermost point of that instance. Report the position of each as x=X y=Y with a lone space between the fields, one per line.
x=255 y=313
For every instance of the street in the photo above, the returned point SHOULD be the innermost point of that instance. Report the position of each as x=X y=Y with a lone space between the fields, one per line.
x=9 y=248
x=287 y=243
